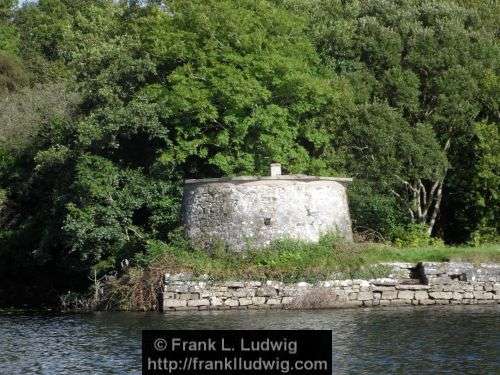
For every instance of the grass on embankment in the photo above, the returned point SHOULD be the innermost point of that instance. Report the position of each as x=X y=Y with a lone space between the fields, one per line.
x=293 y=260
x=287 y=261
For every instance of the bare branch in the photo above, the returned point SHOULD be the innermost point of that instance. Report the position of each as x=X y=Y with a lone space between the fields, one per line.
x=406 y=183
x=424 y=193
x=437 y=206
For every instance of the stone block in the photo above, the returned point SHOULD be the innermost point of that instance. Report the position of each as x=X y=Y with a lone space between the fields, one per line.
x=341 y=293
x=421 y=294
x=452 y=288
x=384 y=282
x=389 y=295
x=182 y=288
x=467 y=287
x=436 y=288
x=441 y=295
x=385 y=302
x=489 y=287
x=235 y=284
x=168 y=303
x=382 y=288
x=482 y=295
x=259 y=300
x=188 y=296
x=245 y=301
x=365 y=296
x=253 y=284
x=489 y=295
x=457 y=296
x=216 y=301
x=242 y=292
x=198 y=302
x=303 y=284
x=266 y=291
x=426 y=301
x=274 y=284
x=353 y=296
x=412 y=287
x=231 y=302
x=287 y=300
x=406 y=294
x=441 y=280
x=273 y=301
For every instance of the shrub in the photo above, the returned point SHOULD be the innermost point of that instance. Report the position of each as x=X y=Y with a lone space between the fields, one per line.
x=484 y=235
x=374 y=212
x=413 y=235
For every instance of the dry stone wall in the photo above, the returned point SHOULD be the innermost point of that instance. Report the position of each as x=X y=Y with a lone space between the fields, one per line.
x=409 y=284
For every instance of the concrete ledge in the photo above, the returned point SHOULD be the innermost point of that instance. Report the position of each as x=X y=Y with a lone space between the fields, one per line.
x=243 y=179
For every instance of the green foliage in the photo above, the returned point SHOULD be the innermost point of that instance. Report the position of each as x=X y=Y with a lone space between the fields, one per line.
x=12 y=75
x=474 y=208
x=424 y=73
x=107 y=106
x=289 y=260
x=36 y=117
x=374 y=211
x=206 y=89
x=486 y=182
x=9 y=37
x=413 y=235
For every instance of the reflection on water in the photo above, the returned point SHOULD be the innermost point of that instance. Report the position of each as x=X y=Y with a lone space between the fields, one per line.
x=455 y=340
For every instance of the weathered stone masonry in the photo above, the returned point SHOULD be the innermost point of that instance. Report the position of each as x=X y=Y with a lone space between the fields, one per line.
x=409 y=284
x=251 y=212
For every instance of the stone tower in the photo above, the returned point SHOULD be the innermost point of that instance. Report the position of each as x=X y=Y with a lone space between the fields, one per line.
x=250 y=212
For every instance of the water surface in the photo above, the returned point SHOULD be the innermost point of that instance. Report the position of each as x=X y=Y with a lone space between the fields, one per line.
x=429 y=340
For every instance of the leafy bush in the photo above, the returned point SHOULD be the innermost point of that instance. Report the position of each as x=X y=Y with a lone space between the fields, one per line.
x=484 y=235
x=373 y=211
x=414 y=235
x=106 y=106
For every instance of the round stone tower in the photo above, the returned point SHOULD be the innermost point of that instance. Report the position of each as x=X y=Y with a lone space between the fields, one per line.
x=251 y=212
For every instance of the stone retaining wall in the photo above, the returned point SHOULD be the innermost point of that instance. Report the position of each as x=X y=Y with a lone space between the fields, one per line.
x=409 y=284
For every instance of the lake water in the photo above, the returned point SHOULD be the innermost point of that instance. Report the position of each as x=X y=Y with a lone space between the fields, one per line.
x=429 y=340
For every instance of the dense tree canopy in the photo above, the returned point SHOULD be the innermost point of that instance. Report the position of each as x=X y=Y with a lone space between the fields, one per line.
x=107 y=106
x=432 y=63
